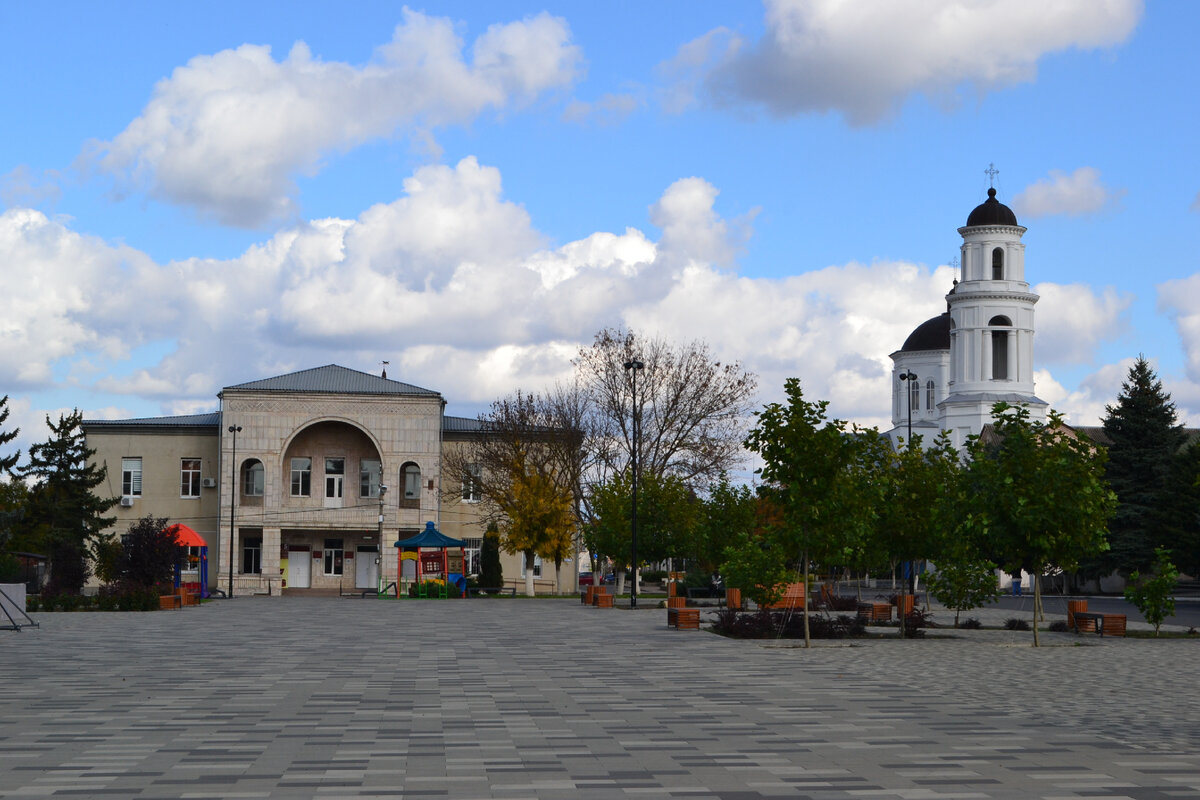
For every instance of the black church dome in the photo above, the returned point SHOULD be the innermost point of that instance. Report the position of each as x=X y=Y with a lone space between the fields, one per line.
x=992 y=212
x=932 y=334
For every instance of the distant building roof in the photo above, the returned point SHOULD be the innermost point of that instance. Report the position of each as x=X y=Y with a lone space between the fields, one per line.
x=332 y=379
x=181 y=423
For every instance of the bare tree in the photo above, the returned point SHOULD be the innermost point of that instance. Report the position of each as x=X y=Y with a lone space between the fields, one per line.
x=693 y=409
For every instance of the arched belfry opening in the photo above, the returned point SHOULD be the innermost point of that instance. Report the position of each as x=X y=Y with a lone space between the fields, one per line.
x=998 y=264
x=1000 y=341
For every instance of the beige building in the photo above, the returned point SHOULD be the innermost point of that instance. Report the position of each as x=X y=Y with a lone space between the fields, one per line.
x=317 y=474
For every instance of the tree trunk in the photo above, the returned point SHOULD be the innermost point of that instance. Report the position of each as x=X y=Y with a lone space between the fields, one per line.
x=619 y=589
x=1037 y=601
x=807 y=637
x=529 y=556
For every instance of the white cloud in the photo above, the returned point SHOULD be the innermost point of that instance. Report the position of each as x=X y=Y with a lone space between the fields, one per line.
x=1081 y=192
x=227 y=134
x=1180 y=300
x=863 y=58
x=1074 y=319
x=610 y=109
x=454 y=285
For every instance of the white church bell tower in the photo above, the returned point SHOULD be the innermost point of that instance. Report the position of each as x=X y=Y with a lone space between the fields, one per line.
x=981 y=350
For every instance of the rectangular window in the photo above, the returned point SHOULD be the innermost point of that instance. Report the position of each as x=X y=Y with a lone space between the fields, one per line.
x=189 y=477
x=472 y=486
x=131 y=477
x=537 y=566
x=255 y=480
x=471 y=555
x=368 y=477
x=335 y=469
x=301 y=477
x=333 y=556
x=251 y=555
x=191 y=561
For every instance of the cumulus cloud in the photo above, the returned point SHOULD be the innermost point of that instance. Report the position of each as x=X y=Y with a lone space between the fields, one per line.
x=1074 y=319
x=1079 y=193
x=1180 y=300
x=610 y=109
x=227 y=134
x=863 y=58
x=21 y=187
x=454 y=285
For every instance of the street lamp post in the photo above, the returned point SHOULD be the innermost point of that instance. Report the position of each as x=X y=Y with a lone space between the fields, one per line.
x=909 y=375
x=233 y=487
x=633 y=366
x=379 y=558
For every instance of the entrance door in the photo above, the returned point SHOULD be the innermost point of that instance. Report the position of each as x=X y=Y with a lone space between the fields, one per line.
x=335 y=473
x=366 y=571
x=299 y=568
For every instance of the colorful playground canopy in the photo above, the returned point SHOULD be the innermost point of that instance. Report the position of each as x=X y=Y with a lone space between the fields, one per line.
x=186 y=536
x=430 y=537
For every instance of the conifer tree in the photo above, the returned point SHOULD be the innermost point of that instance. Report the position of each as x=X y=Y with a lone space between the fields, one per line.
x=1145 y=438
x=65 y=516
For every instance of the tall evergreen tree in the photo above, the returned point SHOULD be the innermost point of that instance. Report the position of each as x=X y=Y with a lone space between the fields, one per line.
x=65 y=516
x=1145 y=438
x=1178 y=513
x=7 y=462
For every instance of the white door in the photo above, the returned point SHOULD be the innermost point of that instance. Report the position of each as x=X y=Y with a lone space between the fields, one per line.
x=299 y=569
x=335 y=472
x=366 y=571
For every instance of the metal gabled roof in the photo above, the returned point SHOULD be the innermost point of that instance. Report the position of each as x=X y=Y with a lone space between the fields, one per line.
x=210 y=420
x=332 y=379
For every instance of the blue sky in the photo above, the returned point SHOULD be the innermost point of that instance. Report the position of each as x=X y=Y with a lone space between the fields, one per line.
x=192 y=197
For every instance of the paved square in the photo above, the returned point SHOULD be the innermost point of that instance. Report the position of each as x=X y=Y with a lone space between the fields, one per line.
x=330 y=698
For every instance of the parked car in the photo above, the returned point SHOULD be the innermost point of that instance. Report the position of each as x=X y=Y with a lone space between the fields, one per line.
x=588 y=579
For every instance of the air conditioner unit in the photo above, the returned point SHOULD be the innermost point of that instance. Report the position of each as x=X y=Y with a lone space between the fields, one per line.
x=209 y=483
x=126 y=502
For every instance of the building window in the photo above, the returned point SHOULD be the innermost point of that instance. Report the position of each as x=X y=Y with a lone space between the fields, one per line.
x=472 y=486
x=301 y=477
x=929 y=395
x=369 y=473
x=410 y=480
x=537 y=566
x=191 y=560
x=335 y=470
x=189 y=477
x=471 y=556
x=333 y=556
x=914 y=395
x=998 y=264
x=131 y=477
x=252 y=555
x=255 y=477
x=1000 y=348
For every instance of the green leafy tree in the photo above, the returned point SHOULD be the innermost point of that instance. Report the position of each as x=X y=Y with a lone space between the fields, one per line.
x=755 y=562
x=814 y=472
x=1151 y=594
x=149 y=553
x=1041 y=492
x=729 y=512
x=536 y=517
x=64 y=515
x=1145 y=437
x=964 y=579
x=667 y=518
x=491 y=572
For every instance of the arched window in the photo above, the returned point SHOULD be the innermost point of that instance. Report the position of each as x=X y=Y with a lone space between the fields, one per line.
x=914 y=395
x=410 y=482
x=253 y=478
x=929 y=395
x=1000 y=347
x=998 y=264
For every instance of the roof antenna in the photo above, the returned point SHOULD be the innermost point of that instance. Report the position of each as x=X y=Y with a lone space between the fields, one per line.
x=385 y=363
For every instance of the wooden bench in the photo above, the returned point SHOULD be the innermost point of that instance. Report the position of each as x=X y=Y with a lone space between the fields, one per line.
x=169 y=601
x=875 y=612
x=1103 y=624
x=603 y=600
x=681 y=618
x=793 y=597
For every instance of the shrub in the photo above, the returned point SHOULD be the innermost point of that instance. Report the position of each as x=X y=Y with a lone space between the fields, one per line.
x=1016 y=624
x=1152 y=594
x=767 y=624
x=1059 y=626
x=654 y=575
x=971 y=623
